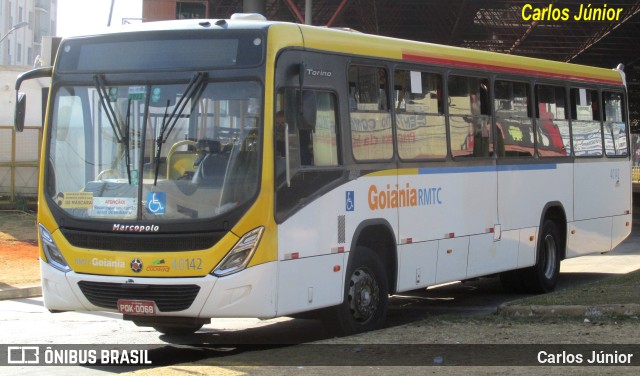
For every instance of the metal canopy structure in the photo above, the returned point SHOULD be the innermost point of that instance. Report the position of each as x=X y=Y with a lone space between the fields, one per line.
x=501 y=26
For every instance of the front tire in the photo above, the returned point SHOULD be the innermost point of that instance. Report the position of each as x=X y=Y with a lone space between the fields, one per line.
x=366 y=295
x=543 y=276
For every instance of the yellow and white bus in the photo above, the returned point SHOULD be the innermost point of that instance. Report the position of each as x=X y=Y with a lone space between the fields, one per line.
x=199 y=169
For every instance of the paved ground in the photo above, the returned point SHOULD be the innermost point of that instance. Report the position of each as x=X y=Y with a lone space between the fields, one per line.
x=454 y=314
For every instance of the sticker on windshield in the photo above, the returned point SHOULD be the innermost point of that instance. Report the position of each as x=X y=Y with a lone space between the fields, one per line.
x=74 y=200
x=114 y=206
x=136 y=92
x=155 y=94
x=113 y=94
x=134 y=177
x=156 y=203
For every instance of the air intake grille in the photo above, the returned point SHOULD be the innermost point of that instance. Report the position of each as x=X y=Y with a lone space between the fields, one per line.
x=341 y=229
x=168 y=298
x=142 y=243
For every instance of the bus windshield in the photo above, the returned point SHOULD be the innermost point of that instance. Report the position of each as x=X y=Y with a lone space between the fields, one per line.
x=154 y=152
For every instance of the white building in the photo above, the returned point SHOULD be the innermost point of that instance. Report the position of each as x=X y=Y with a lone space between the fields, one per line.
x=35 y=19
x=23 y=24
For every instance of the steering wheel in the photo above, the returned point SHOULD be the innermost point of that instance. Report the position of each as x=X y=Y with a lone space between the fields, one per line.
x=110 y=171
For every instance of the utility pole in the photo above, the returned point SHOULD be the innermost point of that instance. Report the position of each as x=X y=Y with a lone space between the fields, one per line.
x=110 y=13
x=254 y=6
x=308 y=11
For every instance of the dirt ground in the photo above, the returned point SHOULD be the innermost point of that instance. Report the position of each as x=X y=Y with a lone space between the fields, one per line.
x=19 y=264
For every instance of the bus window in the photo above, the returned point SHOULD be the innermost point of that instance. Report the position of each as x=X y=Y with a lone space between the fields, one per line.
x=421 y=132
x=310 y=144
x=554 y=139
x=371 y=133
x=469 y=119
x=586 y=127
x=69 y=143
x=615 y=128
x=325 y=146
x=313 y=148
x=513 y=120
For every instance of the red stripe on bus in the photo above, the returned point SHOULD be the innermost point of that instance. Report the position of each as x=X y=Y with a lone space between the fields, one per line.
x=466 y=64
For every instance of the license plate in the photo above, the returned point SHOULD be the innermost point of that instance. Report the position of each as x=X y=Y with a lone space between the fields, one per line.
x=137 y=307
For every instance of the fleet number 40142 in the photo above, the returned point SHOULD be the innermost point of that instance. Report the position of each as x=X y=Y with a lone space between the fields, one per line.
x=187 y=264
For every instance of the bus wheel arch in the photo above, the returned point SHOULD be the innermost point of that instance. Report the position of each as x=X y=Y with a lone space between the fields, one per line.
x=554 y=211
x=369 y=277
x=550 y=250
x=378 y=236
x=365 y=296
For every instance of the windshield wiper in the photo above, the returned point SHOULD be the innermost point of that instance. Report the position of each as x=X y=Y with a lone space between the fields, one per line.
x=113 y=120
x=193 y=91
x=106 y=106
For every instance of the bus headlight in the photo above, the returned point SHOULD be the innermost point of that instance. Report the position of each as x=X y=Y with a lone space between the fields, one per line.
x=51 y=251
x=240 y=255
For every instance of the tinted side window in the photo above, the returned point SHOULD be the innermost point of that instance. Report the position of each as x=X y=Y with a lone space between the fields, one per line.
x=615 y=128
x=314 y=159
x=420 y=119
x=586 y=127
x=469 y=119
x=554 y=137
x=513 y=119
x=371 y=133
x=311 y=139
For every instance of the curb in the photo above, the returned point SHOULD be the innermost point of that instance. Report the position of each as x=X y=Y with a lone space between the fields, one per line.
x=630 y=309
x=20 y=292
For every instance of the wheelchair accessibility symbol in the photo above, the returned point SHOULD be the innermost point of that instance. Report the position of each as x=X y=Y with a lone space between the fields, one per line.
x=349 y=201
x=156 y=202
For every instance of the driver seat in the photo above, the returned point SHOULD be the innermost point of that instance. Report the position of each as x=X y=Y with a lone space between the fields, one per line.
x=211 y=164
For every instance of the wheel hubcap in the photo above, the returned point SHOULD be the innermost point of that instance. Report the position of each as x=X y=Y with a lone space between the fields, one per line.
x=363 y=295
x=549 y=253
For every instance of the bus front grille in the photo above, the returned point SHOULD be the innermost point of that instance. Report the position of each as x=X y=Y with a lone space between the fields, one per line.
x=142 y=242
x=168 y=298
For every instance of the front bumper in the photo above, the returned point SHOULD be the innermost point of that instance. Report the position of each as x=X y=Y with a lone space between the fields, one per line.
x=249 y=293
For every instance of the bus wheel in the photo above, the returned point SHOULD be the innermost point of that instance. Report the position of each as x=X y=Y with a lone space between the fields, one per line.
x=366 y=294
x=178 y=330
x=542 y=277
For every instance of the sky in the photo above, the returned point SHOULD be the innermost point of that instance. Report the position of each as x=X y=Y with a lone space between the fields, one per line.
x=81 y=17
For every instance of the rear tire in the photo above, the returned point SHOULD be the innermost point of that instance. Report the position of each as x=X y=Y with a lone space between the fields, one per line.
x=366 y=294
x=543 y=276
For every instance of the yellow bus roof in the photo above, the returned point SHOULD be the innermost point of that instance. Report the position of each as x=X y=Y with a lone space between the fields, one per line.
x=354 y=43
x=384 y=47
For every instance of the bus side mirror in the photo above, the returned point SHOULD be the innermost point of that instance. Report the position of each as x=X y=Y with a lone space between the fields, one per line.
x=21 y=106
x=21 y=98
